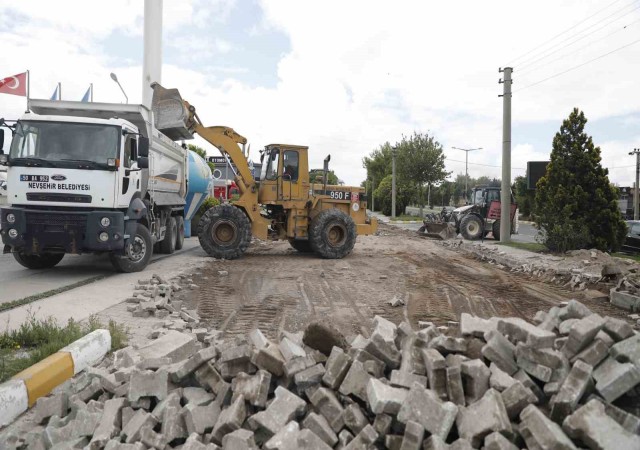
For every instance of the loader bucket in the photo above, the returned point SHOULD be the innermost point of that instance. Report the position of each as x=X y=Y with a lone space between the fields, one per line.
x=440 y=231
x=169 y=113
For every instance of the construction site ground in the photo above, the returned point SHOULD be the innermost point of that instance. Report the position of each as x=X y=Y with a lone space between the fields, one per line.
x=273 y=287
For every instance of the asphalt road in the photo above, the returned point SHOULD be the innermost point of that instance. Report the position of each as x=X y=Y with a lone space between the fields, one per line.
x=18 y=282
x=526 y=232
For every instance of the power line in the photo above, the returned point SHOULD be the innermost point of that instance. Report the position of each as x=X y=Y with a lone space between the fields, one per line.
x=577 y=50
x=527 y=65
x=563 y=32
x=576 y=67
x=529 y=60
x=485 y=165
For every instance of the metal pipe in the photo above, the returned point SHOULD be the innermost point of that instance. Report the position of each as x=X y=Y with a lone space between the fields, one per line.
x=325 y=174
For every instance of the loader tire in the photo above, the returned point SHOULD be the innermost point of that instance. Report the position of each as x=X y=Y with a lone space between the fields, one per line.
x=224 y=231
x=44 y=261
x=138 y=252
x=168 y=244
x=471 y=228
x=303 y=246
x=332 y=234
x=180 y=235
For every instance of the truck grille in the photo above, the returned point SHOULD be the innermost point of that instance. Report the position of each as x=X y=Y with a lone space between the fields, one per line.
x=58 y=220
x=57 y=197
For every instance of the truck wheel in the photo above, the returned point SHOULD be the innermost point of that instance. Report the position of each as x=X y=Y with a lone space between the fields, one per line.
x=224 y=231
x=138 y=252
x=301 y=245
x=44 y=261
x=168 y=244
x=332 y=234
x=180 y=235
x=471 y=228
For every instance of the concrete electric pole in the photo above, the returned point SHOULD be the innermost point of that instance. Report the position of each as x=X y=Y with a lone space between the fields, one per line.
x=394 y=150
x=466 y=170
x=505 y=190
x=636 y=151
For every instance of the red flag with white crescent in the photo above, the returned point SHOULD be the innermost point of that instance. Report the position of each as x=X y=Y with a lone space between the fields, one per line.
x=15 y=85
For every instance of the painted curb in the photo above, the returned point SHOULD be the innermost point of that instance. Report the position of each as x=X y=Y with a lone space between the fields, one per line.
x=22 y=391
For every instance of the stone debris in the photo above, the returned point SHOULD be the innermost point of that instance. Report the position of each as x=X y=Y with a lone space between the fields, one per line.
x=505 y=384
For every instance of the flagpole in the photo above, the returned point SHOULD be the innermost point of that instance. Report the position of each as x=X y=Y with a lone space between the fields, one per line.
x=59 y=91
x=28 y=88
x=91 y=87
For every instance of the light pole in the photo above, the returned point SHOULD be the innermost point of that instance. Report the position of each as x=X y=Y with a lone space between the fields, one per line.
x=393 y=181
x=466 y=169
x=636 y=151
x=115 y=78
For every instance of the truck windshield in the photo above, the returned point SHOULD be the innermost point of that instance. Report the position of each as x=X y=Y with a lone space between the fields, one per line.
x=61 y=144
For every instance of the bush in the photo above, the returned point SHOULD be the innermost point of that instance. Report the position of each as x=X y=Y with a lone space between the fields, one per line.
x=210 y=202
x=564 y=236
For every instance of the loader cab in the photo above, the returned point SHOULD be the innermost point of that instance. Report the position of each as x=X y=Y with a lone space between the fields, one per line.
x=285 y=173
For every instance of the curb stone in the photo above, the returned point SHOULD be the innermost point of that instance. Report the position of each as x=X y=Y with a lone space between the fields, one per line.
x=22 y=391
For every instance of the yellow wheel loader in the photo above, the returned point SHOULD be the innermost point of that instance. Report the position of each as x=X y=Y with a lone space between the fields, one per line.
x=282 y=204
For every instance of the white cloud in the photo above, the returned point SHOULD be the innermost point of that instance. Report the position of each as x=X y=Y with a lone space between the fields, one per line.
x=358 y=74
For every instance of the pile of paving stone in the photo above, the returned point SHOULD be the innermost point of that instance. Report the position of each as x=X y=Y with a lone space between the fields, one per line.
x=162 y=298
x=504 y=384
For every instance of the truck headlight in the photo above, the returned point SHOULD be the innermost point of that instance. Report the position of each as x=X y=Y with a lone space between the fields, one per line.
x=11 y=218
x=105 y=222
x=13 y=233
x=104 y=237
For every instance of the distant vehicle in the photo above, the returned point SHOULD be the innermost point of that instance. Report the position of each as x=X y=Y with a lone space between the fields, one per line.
x=482 y=216
x=632 y=241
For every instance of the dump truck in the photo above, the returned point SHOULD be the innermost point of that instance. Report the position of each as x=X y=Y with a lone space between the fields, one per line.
x=92 y=178
x=281 y=205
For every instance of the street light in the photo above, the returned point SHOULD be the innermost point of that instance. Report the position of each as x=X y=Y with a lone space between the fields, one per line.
x=115 y=78
x=394 y=150
x=466 y=169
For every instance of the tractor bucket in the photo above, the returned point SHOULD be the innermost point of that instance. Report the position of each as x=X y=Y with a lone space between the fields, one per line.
x=440 y=231
x=170 y=114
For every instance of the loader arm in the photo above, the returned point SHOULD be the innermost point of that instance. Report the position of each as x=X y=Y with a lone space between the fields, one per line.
x=178 y=119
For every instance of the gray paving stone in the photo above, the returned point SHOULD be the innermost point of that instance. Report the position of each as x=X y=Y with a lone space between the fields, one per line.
x=539 y=432
x=500 y=351
x=285 y=407
x=254 y=388
x=413 y=436
x=613 y=379
x=475 y=379
x=436 y=367
x=146 y=383
x=627 y=350
x=581 y=334
x=476 y=326
x=572 y=390
x=591 y=425
x=482 y=418
x=519 y=330
x=327 y=404
x=384 y=398
x=356 y=381
x=336 y=368
x=496 y=441
x=424 y=406
x=239 y=440
x=354 y=418
x=229 y=420
x=517 y=397
x=455 y=390
x=320 y=426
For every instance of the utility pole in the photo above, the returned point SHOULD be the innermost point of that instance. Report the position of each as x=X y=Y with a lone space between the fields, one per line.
x=636 y=151
x=393 y=182
x=373 y=187
x=505 y=190
x=466 y=170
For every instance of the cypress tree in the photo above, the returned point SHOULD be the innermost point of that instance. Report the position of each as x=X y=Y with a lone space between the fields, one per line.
x=576 y=205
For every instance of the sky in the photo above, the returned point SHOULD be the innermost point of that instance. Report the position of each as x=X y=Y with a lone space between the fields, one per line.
x=344 y=77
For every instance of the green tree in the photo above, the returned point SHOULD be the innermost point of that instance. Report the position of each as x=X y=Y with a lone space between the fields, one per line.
x=420 y=162
x=405 y=192
x=576 y=205
x=378 y=164
x=525 y=198
x=332 y=178
x=203 y=153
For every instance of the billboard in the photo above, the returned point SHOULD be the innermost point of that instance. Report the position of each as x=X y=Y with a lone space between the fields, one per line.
x=535 y=171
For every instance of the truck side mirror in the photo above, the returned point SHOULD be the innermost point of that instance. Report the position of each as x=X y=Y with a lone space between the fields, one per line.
x=143 y=162
x=1 y=141
x=143 y=147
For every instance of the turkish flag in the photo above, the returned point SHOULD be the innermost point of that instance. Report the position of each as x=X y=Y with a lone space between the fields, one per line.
x=15 y=85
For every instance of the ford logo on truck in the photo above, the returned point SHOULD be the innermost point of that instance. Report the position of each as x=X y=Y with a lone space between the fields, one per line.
x=58 y=177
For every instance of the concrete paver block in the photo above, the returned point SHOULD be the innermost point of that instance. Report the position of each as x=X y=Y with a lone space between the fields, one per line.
x=384 y=398
x=475 y=379
x=482 y=418
x=423 y=406
x=500 y=351
x=540 y=432
x=336 y=368
x=254 y=388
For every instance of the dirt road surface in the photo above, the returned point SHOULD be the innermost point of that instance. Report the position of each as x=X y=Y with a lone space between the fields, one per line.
x=273 y=287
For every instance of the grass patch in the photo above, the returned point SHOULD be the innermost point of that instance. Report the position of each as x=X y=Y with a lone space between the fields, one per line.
x=529 y=246
x=632 y=256
x=405 y=218
x=38 y=338
x=32 y=298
